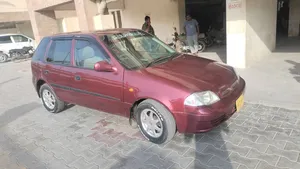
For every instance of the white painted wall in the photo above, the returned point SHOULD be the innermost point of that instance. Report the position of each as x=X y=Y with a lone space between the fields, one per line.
x=164 y=15
x=261 y=28
x=68 y=24
x=65 y=14
x=251 y=31
x=13 y=5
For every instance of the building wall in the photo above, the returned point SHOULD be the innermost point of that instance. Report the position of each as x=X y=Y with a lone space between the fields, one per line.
x=261 y=19
x=68 y=24
x=22 y=28
x=65 y=14
x=251 y=30
x=164 y=16
x=13 y=5
x=294 y=19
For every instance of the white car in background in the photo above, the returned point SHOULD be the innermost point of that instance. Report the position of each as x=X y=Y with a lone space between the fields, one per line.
x=13 y=41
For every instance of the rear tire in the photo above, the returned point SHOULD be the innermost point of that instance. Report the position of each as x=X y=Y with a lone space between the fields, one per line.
x=15 y=56
x=201 y=46
x=162 y=127
x=210 y=42
x=50 y=100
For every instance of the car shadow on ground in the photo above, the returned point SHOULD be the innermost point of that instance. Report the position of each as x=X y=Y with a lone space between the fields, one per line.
x=295 y=71
x=184 y=151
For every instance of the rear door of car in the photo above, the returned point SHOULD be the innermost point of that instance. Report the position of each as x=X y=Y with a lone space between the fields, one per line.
x=57 y=59
x=20 y=41
x=98 y=90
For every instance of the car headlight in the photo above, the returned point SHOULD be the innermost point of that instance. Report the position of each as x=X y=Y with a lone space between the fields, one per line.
x=201 y=99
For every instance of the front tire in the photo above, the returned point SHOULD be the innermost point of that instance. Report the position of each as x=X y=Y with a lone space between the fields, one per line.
x=155 y=122
x=50 y=100
x=3 y=58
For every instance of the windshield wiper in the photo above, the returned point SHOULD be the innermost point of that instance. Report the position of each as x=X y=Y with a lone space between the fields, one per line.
x=157 y=60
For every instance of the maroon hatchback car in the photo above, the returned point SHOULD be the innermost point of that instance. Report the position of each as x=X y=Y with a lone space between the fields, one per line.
x=131 y=73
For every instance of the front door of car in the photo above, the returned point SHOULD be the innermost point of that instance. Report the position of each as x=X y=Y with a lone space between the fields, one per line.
x=98 y=90
x=55 y=73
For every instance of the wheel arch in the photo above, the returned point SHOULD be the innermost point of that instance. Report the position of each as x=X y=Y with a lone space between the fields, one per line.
x=39 y=83
x=140 y=100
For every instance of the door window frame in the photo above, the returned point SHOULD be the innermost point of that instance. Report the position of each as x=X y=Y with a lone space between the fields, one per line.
x=71 y=51
x=12 y=37
x=94 y=42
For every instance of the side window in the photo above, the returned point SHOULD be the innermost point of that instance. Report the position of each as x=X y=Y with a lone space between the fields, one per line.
x=60 y=52
x=39 y=53
x=5 y=39
x=87 y=54
x=19 y=38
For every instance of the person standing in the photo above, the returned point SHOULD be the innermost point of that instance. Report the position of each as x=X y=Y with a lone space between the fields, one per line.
x=147 y=27
x=191 y=30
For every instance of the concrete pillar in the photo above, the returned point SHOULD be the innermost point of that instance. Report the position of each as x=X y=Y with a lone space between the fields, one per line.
x=43 y=24
x=86 y=10
x=294 y=18
x=251 y=30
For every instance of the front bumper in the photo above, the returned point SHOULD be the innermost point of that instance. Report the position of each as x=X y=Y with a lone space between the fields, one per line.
x=203 y=119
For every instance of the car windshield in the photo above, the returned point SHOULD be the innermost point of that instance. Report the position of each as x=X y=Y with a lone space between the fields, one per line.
x=137 y=49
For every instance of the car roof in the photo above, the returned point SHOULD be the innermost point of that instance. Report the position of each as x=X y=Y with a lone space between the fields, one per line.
x=98 y=32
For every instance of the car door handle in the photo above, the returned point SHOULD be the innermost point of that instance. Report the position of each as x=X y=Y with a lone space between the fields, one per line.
x=46 y=72
x=77 y=78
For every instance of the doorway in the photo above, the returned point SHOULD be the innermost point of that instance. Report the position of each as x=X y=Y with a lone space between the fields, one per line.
x=283 y=12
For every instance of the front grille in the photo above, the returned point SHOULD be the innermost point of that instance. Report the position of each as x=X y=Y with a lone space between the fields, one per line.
x=218 y=120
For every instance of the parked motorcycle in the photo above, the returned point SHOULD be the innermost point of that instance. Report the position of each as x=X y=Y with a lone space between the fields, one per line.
x=206 y=38
x=217 y=36
x=24 y=53
x=179 y=43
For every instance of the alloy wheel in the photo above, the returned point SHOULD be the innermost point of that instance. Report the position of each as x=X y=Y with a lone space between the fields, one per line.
x=2 y=58
x=151 y=123
x=48 y=99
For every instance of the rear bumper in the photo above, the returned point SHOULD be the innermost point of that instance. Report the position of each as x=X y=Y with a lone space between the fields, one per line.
x=206 y=118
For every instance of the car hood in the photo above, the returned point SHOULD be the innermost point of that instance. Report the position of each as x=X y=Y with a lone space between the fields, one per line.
x=194 y=73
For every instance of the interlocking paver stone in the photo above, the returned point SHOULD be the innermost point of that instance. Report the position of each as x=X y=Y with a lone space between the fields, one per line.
x=291 y=155
x=258 y=137
x=249 y=162
x=261 y=147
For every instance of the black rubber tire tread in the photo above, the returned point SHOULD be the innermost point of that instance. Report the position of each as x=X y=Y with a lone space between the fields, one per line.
x=59 y=105
x=169 y=124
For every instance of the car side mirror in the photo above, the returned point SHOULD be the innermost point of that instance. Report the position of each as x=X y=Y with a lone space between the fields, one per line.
x=104 y=66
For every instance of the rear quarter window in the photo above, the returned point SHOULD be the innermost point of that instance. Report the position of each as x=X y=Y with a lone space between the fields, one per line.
x=41 y=50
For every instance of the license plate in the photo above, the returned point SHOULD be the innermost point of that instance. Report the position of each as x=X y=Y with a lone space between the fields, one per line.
x=239 y=103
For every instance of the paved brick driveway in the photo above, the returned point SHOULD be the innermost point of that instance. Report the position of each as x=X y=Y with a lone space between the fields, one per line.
x=258 y=137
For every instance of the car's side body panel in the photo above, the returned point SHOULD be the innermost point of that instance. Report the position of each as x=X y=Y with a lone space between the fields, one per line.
x=168 y=83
